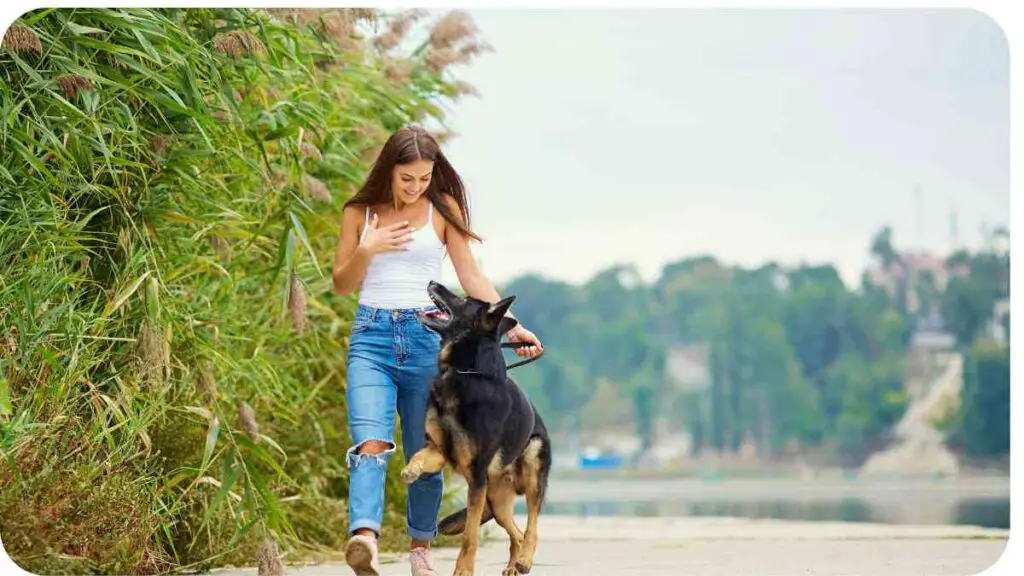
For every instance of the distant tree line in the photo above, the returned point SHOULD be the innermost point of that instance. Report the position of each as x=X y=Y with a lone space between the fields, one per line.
x=794 y=354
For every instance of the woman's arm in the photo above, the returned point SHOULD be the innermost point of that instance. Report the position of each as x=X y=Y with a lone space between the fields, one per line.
x=350 y=259
x=477 y=285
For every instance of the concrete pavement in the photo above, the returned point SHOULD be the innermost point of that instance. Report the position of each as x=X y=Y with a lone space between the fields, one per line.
x=594 y=546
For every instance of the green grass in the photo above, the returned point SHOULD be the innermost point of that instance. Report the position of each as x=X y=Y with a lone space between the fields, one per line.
x=172 y=358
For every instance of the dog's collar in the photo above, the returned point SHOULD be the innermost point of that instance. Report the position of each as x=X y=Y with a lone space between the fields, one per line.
x=473 y=372
x=510 y=366
x=461 y=372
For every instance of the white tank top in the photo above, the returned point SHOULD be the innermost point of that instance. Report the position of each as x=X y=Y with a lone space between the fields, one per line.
x=399 y=279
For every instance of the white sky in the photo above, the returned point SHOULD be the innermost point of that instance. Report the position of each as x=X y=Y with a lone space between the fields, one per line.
x=646 y=136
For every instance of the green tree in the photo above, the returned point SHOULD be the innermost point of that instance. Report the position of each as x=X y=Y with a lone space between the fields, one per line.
x=872 y=398
x=794 y=353
x=882 y=248
x=985 y=409
x=967 y=303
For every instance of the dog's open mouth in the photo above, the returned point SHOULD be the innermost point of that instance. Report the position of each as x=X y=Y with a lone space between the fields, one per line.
x=443 y=313
x=437 y=315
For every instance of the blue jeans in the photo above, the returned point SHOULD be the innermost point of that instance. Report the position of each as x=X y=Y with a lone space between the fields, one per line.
x=392 y=359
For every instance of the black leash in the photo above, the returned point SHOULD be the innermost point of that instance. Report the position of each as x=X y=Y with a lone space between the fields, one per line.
x=520 y=345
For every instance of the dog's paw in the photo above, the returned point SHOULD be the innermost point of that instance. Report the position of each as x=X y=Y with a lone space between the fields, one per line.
x=463 y=573
x=411 y=473
x=510 y=571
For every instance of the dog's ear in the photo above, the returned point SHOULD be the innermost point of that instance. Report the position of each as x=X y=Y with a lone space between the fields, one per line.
x=506 y=324
x=496 y=313
x=499 y=308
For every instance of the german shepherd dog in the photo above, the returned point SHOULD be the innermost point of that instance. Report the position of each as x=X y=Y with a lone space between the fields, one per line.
x=481 y=423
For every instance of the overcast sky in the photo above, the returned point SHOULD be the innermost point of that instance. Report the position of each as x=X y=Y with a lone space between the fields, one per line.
x=646 y=136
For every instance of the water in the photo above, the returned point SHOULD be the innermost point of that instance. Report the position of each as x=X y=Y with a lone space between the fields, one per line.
x=978 y=501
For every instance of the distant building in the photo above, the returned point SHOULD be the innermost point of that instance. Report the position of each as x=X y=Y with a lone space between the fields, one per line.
x=932 y=335
x=688 y=366
x=930 y=348
x=998 y=326
x=912 y=268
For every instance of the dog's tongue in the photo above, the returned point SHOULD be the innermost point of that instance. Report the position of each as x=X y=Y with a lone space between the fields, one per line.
x=436 y=314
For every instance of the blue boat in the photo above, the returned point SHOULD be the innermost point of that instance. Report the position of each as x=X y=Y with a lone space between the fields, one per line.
x=596 y=460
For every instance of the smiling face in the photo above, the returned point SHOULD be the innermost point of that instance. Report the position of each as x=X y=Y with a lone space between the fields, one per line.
x=410 y=181
x=464 y=317
x=410 y=166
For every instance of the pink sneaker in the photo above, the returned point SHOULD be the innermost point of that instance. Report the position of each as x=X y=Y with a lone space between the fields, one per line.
x=361 y=555
x=422 y=563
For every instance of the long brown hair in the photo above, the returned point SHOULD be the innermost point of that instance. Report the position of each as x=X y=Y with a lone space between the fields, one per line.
x=407 y=145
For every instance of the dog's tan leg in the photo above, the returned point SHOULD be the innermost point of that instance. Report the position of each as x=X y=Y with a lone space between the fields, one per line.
x=470 y=539
x=502 y=497
x=525 y=562
x=427 y=461
x=531 y=483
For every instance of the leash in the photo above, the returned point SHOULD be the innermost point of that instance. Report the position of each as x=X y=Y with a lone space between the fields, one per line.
x=519 y=345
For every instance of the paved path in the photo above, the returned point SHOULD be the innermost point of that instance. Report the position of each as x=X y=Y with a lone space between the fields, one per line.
x=720 y=546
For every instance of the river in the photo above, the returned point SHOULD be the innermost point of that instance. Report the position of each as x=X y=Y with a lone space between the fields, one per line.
x=980 y=501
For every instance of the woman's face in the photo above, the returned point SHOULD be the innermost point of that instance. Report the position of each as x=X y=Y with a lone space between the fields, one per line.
x=410 y=181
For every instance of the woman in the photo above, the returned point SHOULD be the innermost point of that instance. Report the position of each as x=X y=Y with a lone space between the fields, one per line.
x=394 y=234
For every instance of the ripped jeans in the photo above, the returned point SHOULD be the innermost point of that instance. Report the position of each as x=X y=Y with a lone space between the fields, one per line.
x=392 y=359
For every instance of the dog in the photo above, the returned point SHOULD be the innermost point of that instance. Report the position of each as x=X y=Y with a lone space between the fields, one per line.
x=481 y=423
